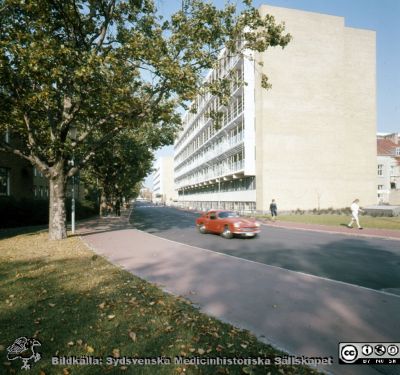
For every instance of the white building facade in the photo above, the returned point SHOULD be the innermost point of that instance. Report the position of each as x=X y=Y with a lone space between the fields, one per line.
x=210 y=166
x=163 y=181
x=308 y=143
x=388 y=169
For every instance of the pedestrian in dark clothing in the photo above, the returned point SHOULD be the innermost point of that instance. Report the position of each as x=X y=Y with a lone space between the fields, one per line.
x=118 y=208
x=274 y=209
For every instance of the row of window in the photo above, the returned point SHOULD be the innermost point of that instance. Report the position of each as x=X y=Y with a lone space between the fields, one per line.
x=220 y=145
x=230 y=164
x=381 y=170
x=38 y=191
x=392 y=186
x=222 y=205
x=41 y=192
x=209 y=171
x=232 y=111
x=202 y=102
x=242 y=184
x=4 y=181
x=37 y=173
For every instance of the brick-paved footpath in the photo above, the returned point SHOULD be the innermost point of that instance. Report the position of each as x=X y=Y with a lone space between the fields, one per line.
x=302 y=314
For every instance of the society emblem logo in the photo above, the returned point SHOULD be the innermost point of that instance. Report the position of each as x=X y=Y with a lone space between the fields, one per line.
x=24 y=348
x=348 y=353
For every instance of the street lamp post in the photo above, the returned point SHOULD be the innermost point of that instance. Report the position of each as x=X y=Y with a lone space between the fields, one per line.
x=73 y=200
x=73 y=133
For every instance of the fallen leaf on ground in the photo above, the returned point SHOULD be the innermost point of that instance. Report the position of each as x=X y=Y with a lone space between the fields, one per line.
x=132 y=335
x=111 y=317
x=89 y=349
x=200 y=351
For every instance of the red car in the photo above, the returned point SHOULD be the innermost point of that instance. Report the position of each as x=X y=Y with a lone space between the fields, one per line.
x=227 y=223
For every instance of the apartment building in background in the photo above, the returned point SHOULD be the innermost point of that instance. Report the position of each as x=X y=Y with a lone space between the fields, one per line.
x=388 y=169
x=163 y=181
x=18 y=178
x=309 y=142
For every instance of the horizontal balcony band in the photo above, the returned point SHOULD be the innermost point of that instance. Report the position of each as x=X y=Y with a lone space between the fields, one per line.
x=218 y=158
x=213 y=179
x=241 y=109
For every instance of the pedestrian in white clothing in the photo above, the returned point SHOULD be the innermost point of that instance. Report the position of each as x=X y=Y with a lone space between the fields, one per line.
x=355 y=208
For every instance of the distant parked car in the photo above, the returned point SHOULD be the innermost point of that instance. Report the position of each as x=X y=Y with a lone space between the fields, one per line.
x=227 y=223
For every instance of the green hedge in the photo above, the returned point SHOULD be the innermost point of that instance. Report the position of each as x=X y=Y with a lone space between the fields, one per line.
x=27 y=212
x=83 y=209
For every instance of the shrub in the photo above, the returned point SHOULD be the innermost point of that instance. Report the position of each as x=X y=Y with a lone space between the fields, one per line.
x=27 y=212
x=23 y=212
x=83 y=209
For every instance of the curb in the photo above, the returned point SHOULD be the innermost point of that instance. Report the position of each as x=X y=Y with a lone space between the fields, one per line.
x=333 y=232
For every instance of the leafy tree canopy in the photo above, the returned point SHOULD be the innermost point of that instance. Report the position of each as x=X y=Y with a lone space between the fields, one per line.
x=117 y=169
x=74 y=73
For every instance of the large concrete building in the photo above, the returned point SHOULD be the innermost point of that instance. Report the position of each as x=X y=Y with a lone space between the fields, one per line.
x=163 y=181
x=309 y=142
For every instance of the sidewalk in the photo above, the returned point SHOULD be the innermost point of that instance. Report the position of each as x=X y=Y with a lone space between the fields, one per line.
x=302 y=314
x=366 y=232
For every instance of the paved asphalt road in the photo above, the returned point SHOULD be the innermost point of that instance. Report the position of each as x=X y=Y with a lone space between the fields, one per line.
x=368 y=262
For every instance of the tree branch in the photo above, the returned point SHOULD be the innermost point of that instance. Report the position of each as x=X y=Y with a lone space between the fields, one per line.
x=31 y=139
x=4 y=146
x=104 y=27
x=33 y=159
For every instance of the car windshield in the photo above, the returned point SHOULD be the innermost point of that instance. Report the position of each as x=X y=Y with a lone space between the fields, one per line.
x=225 y=214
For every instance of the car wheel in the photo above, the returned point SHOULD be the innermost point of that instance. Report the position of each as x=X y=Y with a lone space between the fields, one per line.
x=202 y=228
x=227 y=233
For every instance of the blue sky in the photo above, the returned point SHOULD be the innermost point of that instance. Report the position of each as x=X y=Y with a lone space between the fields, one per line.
x=382 y=16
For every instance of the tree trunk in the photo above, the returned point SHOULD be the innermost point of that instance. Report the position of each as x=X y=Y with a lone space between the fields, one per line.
x=103 y=204
x=57 y=214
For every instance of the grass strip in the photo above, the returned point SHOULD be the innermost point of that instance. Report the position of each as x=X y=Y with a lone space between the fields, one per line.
x=78 y=304
x=392 y=223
